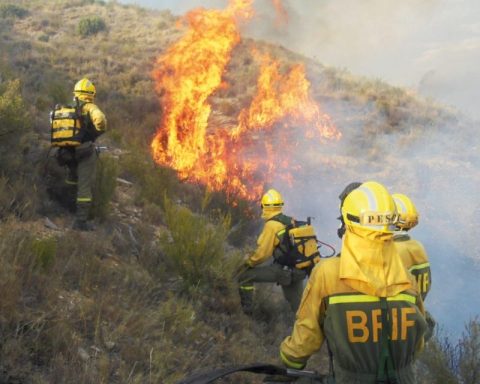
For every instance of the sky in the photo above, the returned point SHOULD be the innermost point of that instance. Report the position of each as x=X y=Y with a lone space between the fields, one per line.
x=431 y=46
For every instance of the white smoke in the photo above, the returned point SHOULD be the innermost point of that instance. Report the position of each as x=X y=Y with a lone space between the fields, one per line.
x=432 y=46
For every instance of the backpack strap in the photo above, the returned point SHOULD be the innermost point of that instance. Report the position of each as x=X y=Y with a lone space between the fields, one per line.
x=386 y=372
x=283 y=249
x=284 y=219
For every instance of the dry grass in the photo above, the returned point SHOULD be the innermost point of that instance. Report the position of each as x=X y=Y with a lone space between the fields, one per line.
x=150 y=296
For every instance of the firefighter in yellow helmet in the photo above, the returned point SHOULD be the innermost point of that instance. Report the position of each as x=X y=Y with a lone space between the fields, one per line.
x=268 y=245
x=364 y=303
x=78 y=152
x=411 y=251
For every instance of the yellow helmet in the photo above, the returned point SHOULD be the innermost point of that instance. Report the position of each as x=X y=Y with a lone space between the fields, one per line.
x=272 y=198
x=84 y=90
x=407 y=212
x=370 y=206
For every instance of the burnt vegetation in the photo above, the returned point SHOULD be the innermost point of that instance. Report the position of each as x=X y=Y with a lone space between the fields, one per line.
x=150 y=296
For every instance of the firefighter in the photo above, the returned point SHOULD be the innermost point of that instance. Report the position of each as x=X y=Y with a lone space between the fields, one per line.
x=411 y=251
x=349 y=188
x=364 y=303
x=81 y=157
x=268 y=245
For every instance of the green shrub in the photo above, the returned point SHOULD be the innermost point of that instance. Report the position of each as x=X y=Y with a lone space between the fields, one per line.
x=44 y=38
x=91 y=26
x=18 y=197
x=444 y=361
x=45 y=251
x=14 y=124
x=105 y=183
x=12 y=10
x=153 y=181
x=469 y=353
x=194 y=246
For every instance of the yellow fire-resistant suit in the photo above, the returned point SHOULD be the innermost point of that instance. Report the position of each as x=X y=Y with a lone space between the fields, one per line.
x=415 y=260
x=81 y=160
x=345 y=302
x=290 y=279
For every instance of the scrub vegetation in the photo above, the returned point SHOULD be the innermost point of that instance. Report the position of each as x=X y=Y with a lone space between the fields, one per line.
x=150 y=296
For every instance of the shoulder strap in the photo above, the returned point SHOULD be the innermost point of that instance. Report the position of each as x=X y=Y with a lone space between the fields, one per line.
x=284 y=219
x=386 y=372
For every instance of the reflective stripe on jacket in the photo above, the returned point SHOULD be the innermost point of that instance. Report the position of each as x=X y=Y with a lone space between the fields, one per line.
x=351 y=320
x=415 y=258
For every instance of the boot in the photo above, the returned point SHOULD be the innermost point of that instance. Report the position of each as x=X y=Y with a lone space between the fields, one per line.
x=246 y=298
x=83 y=225
x=81 y=222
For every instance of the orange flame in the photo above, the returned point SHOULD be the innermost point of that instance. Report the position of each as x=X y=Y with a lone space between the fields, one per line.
x=190 y=71
x=282 y=15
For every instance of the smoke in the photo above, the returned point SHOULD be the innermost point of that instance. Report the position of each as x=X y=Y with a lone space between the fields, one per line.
x=437 y=167
x=432 y=46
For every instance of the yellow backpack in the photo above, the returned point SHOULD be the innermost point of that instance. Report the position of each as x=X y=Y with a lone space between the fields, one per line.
x=298 y=247
x=66 y=126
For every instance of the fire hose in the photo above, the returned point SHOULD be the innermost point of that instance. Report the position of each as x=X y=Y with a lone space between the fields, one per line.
x=274 y=375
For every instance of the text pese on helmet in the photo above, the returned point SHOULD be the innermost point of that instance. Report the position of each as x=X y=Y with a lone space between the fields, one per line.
x=370 y=206
x=407 y=212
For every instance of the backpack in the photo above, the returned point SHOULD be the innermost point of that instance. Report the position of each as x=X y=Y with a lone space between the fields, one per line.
x=66 y=124
x=298 y=246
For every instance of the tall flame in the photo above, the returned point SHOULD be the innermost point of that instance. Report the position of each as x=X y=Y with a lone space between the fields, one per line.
x=282 y=15
x=191 y=70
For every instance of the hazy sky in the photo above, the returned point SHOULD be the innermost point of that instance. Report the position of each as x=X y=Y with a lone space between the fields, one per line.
x=432 y=46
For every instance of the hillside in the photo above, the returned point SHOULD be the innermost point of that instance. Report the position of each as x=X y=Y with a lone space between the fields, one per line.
x=150 y=296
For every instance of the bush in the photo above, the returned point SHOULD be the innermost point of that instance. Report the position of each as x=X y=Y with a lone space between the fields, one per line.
x=45 y=251
x=444 y=361
x=469 y=353
x=14 y=124
x=194 y=246
x=17 y=197
x=153 y=181
x=12 y=10
x=104 y=188
x=91 y=26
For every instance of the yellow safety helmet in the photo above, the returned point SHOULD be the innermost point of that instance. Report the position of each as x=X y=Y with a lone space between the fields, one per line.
x=272 y=198
x=370 y=206
x=407 y=212
x=84 y=89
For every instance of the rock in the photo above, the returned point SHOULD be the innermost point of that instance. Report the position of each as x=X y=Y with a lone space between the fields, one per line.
x=109 y=345
x=124 y=182
x=83 y=354
x=50 y=224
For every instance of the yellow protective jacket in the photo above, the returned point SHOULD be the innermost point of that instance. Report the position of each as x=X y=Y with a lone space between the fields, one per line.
x=268 y=240
x=342 y=303
x=95 y=120
x=415 y=259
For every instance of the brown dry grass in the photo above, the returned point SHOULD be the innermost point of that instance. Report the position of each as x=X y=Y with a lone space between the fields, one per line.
x=104 y=307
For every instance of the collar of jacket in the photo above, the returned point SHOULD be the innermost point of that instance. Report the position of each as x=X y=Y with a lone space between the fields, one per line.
x=370 y=263
x=401 y=236
x=269 y=212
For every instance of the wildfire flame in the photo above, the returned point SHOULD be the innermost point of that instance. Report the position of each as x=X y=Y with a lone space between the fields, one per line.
x=242 y=159
x=282 y=15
